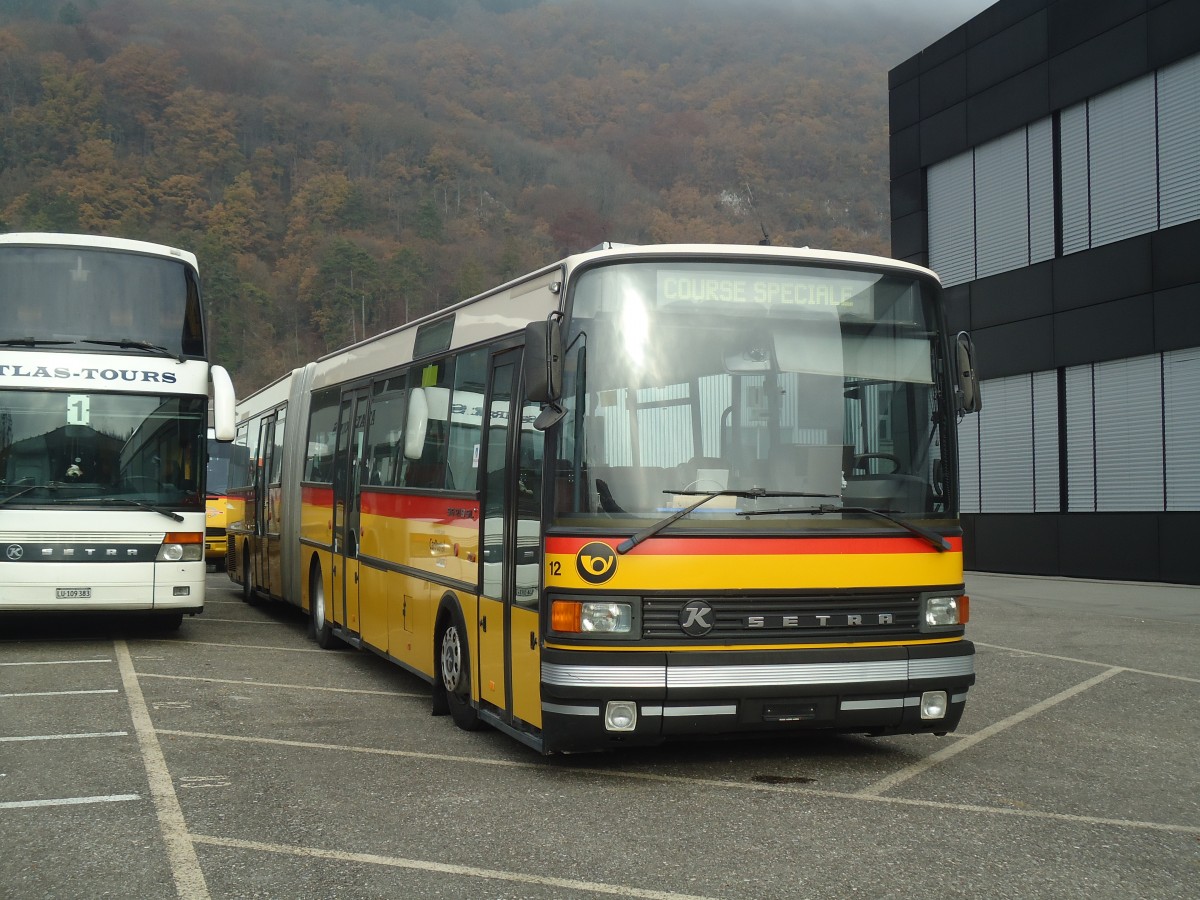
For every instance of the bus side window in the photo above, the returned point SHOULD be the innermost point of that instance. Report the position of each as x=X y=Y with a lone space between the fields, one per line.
x=428 y=472
x=322 y=434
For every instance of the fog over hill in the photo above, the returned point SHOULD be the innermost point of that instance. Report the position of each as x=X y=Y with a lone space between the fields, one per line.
x=334 y=162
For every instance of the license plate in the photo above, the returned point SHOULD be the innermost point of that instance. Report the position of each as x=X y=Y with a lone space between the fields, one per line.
x=73 y=593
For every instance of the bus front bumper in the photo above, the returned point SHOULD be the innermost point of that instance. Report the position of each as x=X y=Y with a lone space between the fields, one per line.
x=594 y=700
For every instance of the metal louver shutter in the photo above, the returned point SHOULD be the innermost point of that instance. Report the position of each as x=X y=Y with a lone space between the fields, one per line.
x=1179 y=136
x=1124 y=189
x=1081 y=443
x=1006 y=446
x=951 y=187
x=1045 y=442
x=1129 y=441
x=1181 y=396
x=968 y=464
x=1076 y=216
x=1001 y=205
x=1041 y=191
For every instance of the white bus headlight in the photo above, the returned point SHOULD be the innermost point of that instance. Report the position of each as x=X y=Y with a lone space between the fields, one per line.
x=182 y=546
x=933 y=705
x=943 y=611
x=620 y=715
x=591 y=617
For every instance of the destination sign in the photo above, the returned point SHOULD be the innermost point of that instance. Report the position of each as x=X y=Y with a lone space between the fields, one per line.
x=848 y=294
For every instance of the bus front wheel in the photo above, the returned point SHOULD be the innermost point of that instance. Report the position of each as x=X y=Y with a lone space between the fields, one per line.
x=319 y=627
x=454 y=669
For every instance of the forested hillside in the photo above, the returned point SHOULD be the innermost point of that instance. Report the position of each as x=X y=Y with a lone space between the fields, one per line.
x=332 y=161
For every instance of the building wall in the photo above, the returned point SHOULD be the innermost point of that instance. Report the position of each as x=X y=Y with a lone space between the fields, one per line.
x=1045 y=159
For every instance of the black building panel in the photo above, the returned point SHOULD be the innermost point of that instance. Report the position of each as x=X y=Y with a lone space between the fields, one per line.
x=1176 y=255
x=904 y=105
x=905 y=151
x=944 y=86
x=958 y=307
x=1104 y=273
x=1113 y=330
x=1009 y=105
x=944 y=135
x=1024 y=544
x=908 y=195
x=1015 y=348
x=906 y=71
x=1000 y=16
x=1072 y=22
x=1007 y=53
x=1104 y=62
x=1120 y=546
x=1177 y=318
x=1013 y=296
x=908 y=236
x=943 y=49
x=1172 y=31
x=1179 y=563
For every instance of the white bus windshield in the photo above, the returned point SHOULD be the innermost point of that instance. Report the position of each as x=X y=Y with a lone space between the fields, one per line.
x=86 y=300
x=63 y=448
x=803 y=388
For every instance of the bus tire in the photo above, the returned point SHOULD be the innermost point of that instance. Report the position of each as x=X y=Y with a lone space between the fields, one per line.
x=454 y=672
x=247 y=589
x=319 y=627
x=168 y=621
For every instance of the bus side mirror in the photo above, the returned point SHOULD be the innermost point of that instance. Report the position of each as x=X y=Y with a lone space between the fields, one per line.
x=969 y=398
x=543 y=360
x=543 y=366
x=416 y=424
x=224 y=402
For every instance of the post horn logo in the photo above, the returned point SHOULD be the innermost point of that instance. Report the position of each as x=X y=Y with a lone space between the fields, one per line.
x=596 y=562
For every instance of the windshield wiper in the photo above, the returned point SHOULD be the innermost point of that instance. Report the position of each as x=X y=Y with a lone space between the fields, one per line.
x=130 y=344
x=140 y=504
x=25 y=490
x=31 y=342
x=932 y=538
x=751 y=493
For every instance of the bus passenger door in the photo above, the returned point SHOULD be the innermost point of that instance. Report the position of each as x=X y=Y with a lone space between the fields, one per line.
x=351 y=432
x=262 y=506
x=508 y=630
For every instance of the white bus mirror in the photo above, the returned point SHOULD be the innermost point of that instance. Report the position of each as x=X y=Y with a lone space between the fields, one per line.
x=224 y=402
x=416 y=424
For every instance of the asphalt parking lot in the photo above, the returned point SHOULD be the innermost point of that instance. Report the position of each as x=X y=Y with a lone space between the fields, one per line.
x=236 y=759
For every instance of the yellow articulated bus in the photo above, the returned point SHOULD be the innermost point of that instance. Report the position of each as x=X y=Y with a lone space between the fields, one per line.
x=640 y=494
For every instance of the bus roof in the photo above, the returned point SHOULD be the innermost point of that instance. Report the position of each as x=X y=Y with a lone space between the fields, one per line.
x=97 y=242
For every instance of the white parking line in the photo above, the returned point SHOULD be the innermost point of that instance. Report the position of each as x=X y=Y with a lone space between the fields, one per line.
x=60 y=693
x=58 y=662
x=1086 y=662
x=857 y=796
x=397 y=862
x=295 y=687
x=178 y=643
x=68 y=801
x=64 y=737
x=185 y=867
x=910 y=772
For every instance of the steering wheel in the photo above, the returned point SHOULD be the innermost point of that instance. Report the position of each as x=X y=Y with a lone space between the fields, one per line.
x=860 y=461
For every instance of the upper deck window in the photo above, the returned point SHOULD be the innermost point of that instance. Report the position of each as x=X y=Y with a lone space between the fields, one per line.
x=82 y=299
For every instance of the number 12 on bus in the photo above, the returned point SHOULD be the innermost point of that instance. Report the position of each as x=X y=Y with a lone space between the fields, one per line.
x=643 y=493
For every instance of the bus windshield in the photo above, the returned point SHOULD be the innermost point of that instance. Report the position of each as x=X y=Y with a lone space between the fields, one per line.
x=64 y=448
x=806 y=395
x=89 y=300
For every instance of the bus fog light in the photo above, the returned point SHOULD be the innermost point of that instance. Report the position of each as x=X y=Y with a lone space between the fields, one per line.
x=181 y=591
x=620 y=715
x=933 y=705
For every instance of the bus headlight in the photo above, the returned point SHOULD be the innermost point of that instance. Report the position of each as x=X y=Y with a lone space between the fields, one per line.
x=939 y=612
x=182 y=546
x=620 y=715
x=933 y=705
x=591 y=617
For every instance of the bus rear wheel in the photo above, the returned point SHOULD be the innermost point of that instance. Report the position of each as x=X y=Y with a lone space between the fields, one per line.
x=454 y=669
